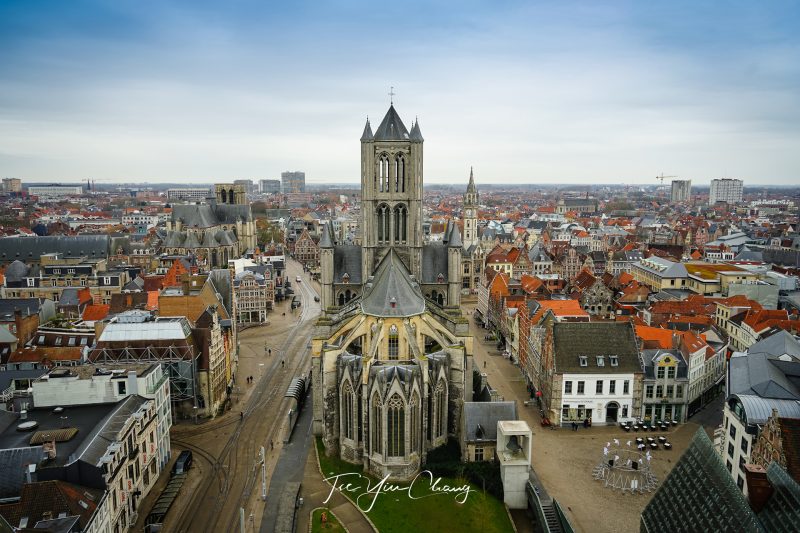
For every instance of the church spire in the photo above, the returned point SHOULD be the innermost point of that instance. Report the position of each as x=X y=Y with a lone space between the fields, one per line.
x=471 y=185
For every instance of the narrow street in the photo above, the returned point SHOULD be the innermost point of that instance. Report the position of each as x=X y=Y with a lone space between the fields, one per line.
x=227 y=474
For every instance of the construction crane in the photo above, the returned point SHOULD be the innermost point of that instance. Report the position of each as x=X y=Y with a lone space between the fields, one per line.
x=662 y=177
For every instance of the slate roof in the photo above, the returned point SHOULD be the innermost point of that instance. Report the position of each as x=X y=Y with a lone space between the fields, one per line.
x=434 y=262
x=16 y=271
x=416 y=133
x=699 y=495
x=347 y=260
x=27 y=248
x=486 y=415
x=391 y=127
x=221 y=280
x=96 y=443
x=762 y=374
x=13 y=464
x=393 y=292
x=367 y=135
x=649 y=357
x=758 y=410
x=574 y=339
x=53 y=497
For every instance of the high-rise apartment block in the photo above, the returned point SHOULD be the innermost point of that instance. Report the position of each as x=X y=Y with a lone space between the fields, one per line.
x=12 y=185
x=725 y=190
x=681 y=191
x=293 y=182
x=270 y=186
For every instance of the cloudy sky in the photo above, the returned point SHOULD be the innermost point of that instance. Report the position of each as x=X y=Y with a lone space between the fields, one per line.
x=526 y=92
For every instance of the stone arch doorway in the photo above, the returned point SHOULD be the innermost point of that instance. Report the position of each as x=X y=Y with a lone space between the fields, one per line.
x=612 y=411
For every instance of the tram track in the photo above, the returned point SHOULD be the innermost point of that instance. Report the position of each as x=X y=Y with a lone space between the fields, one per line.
x=235 y=467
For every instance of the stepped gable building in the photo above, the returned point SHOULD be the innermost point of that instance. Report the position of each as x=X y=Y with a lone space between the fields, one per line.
x=391 y=355
x=214 y=232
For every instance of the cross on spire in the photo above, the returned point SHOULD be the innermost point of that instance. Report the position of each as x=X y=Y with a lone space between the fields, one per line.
x=391 y=95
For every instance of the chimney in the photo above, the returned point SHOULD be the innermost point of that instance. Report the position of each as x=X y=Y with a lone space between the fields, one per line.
x=759 y=489
x=133 y=384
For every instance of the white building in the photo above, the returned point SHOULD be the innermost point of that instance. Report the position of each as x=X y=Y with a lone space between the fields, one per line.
x=136 y=219
x=725 y=190
x=759 y=380
x=193 y=194
x=55 y=191
x=90 y=384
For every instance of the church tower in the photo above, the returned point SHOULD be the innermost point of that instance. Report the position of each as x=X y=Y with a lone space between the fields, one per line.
x=391 y=193
x=470 y=213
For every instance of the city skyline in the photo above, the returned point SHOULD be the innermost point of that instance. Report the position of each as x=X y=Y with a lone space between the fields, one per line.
x=524 y=93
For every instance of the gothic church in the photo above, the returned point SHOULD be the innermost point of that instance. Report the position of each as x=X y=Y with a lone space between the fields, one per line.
x=391 y=354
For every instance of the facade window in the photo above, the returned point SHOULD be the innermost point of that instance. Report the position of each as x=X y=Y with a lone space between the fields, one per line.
x=744 y=444
x=347 y=410
x=567 y=387
x=671 y=372
x=479 y=453
x=121 y=387
x=660 y=372
x=624 y=411
x=741 y=463
x=612 y=386
x=733 y=432
x=740 y=483
x=581 y=386
x=730 y=449
x=626 y=386
x=729 y=465
x=394 y=343
x=659 y=391
x=679 y=391
x=396 y=426
x=599 y=387
x=440 y=402
x=670 y=391
x=376 y=424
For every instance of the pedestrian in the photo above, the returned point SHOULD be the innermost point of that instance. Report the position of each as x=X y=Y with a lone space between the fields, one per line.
x=574 y=426
x=283 y=363
x=270 y=352
x=271 y=445
x=484 y=364
x=241 y=415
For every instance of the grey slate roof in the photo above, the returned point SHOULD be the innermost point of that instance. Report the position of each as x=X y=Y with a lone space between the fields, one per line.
x=486 y=415
x=26 y=248
x=573 y=339
x=367 y=135
x=16 y=271
x=69 y=296
x=393 y=292
x=454 y=239
x=221 y=280
x=391 y=128
x=27 y=306
x=699 y=495
x=326 y=241
x=649 y=356
x=347 y=260
x=434 y=262
x=416 y=133
x=758 y=410
x=13 y=464
x=764 y=375
x=780 y=343
x=782 y=256
x=207 y=215
x=471 y=184
x=94 y=445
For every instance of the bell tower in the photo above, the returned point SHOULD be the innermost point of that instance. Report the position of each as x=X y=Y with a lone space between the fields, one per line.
x=470 y=213
x=391 y=193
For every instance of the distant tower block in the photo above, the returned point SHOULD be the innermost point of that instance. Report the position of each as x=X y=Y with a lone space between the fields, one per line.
x=514 y=439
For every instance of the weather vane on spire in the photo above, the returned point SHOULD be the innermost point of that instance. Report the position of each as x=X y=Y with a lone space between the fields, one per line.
x=391 y=95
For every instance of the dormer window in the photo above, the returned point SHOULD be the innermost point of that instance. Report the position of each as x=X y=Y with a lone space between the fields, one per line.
x=345 y=278
x=583 y=360
x=440 y=278
x=601 y=361
x=614 y=360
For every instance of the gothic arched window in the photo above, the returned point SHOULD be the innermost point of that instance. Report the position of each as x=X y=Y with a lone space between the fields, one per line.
x=440 y=409
x=394 y=343
x=399 y=173
x=413 y=407
x=376 y=423
x=383 y=173
x=382 y=222
x=396 y=426
x=347 y=410
x=341 y=299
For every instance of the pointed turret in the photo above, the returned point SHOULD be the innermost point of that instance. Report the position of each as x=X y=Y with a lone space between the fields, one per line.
x=326 y=241
x=471 y=185
x=416 y=133
x=391 y=128
x=454 y=240
x=367 y=135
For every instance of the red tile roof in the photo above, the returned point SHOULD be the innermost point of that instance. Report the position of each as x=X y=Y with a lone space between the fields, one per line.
x=95 y=312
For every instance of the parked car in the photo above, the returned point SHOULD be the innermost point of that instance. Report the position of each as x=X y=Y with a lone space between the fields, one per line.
x=183 y=463
x=298 y=279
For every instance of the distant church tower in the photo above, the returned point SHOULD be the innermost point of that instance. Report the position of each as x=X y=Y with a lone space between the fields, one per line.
x=391 y=193
x=470 y=213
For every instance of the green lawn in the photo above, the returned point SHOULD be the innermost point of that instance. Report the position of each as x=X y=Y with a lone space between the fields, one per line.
x=332 y=526
x=396 y=512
